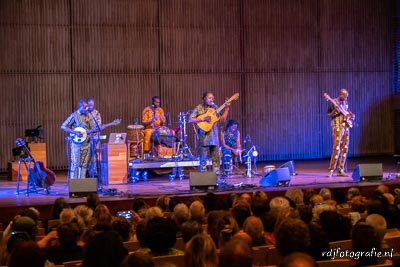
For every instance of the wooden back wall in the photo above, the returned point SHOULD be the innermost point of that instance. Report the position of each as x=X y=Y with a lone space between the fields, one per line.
x=281 y=56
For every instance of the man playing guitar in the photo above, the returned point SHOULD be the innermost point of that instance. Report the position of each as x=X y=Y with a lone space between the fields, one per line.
x=79 y=151
x=209 y=140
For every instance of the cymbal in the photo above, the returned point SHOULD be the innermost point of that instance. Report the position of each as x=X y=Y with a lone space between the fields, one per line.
x=135 y=127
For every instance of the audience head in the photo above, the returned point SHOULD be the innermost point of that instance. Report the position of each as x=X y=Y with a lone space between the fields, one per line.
x=153 y=212
x=189 y=229
x=254 y=227
x=24 y=224
x=365 y=238
x=103 y=250
x=292 y=235
x=236 y=253
x=378 y=222
x=298 y=259
x=352 y=192
x=138 y=204
x=59 y=204
x=336 y=226
x=27 y=253
x=138 y=259
x=296 y=195
x=163 y=202
x=181 y=213
x=197 y=211
x=278 y=203
x=201 y=251
x=160 y=235
x=92 y=200
x=123 y=227
x=325 y=193
x=241 y=211
x=68 y=233
x=84 y=212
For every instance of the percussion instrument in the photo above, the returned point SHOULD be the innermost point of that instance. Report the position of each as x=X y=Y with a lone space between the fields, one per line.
x=164 y=140
x=135 y=133
x=268 y=168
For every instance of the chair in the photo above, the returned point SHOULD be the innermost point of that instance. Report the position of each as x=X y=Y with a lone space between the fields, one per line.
x=77 y=263
x=178 y=260
x=273 y=257
x=52 y=223
x=131 y=245
x=335 y=263
x=342 y=244
x=260 y=255
x=393 y=242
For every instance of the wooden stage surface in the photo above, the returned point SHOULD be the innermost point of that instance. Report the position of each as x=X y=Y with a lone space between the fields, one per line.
x=310 y=174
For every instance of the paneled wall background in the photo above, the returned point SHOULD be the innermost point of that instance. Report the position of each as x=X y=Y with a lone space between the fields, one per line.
x=281 y=56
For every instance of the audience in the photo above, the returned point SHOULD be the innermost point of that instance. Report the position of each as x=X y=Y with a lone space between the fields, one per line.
x=201 y=252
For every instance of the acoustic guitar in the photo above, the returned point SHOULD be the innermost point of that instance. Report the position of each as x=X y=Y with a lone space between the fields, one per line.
x=85 y=133
x=39 y=174
x=212 y=113
x=348 y=116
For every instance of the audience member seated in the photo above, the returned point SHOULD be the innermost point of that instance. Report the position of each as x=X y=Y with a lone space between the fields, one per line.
x=163 y=203
x=190 y=229
x=292 y=235
x=25 y=254
x=85 y=213
x=59 y=204
x=336 y=226
x=241 y=211
x=201 y=251
x=298 y=259
x=296 y=195
x=365 y=239
x=352 y=192
x=138 y=259
x=308 y=193
x=105 y=249
x=278 y=203
x=123 y=227
x=223 y=229
x=269 y=219
x=236 y=253
x=67 y=250
x=93 y=200
x=254 y=227
x=101 y=216
x=197 y=211
x=326 y=195
x=180 y=215
x=160 y=237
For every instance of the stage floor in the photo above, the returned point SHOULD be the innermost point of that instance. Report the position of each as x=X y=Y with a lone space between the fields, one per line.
x=309 y=174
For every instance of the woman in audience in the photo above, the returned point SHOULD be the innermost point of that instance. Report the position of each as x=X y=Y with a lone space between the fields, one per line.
x=365 y=239
x=201 y=252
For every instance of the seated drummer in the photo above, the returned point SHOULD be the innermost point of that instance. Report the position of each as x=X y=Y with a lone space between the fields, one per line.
x=152 y=117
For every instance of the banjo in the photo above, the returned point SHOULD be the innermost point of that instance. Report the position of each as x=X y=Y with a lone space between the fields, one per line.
x=79 y=139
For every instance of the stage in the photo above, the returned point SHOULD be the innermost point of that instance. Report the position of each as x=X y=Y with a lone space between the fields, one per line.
x=309 y=174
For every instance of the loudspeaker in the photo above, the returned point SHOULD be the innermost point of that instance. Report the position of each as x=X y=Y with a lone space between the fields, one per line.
x=368 y=172
x=82 y=187
x=203 y=180
x=277 y=177
x=290 y=165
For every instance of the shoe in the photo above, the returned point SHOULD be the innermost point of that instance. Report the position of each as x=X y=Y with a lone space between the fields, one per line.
x=330 y=173
x=342 y=173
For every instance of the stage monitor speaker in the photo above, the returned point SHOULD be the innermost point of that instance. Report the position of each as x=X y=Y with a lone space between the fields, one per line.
x=290 y=165
x=368 y=172
x=82 y=187
x=203 y=180
x=277 y=177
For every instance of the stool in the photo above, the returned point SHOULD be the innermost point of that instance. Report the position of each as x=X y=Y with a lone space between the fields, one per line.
x=28 y=162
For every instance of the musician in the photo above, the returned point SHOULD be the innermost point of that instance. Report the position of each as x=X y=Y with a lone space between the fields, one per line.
x=209 y=141
x=152 y=117
x=340 y=133
x=230 y=138
x=79 y=152
x=94 y=114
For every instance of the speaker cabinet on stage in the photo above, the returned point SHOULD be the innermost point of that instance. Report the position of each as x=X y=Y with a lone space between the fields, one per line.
x=368 y=172
x=277 y=177
x=82 y=187
x=203 y=180
x=290 y=165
